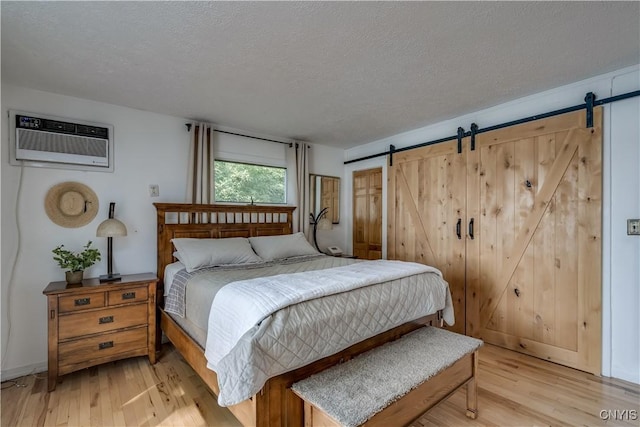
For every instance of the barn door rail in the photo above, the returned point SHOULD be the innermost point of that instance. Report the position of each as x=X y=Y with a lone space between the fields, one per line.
x=590 y=102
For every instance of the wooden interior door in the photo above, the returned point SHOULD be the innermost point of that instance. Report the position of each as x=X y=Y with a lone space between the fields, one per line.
x=367 y=213
x=426 y=214
x=534 y=265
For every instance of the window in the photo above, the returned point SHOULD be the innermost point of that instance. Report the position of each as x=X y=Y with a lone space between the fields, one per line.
x=243 y=182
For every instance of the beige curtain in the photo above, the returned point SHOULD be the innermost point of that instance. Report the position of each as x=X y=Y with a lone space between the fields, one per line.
x=301 y=220
x=200 y=179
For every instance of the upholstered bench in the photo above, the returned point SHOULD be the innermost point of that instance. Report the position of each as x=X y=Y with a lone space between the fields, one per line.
x=393 y=384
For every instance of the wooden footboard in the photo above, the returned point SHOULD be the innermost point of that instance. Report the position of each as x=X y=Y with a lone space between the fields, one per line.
x=276 y=404
x=193 y=354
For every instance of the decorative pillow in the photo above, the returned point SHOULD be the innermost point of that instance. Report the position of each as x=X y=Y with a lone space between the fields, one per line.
x=277 y=247
x=200 y=253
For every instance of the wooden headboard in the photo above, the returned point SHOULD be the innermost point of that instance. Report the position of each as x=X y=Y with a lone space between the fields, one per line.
x=216 y=221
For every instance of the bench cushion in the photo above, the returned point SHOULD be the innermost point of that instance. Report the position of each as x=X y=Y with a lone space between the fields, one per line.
x=354 y=391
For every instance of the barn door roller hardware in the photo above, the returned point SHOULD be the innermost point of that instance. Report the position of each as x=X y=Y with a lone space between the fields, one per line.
x=460 y=136
x=398 y=150
x=590 y=102
x=474 y=131
x=392 y=149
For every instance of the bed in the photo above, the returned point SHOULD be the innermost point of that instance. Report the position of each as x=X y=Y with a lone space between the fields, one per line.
x=273 y=402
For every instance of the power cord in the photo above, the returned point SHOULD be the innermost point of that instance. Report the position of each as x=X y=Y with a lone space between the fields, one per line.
x=13 y=270
x=38 y=377
x=16 y=383
x=13 y=384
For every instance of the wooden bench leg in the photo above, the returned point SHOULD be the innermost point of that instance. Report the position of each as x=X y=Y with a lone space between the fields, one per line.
x=472 y=391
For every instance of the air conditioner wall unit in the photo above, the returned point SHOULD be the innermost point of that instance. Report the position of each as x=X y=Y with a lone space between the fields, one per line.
x=57 y=142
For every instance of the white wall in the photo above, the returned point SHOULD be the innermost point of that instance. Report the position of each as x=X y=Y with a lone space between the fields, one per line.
x=624 y=189
x=149 y=149
x=621 y=200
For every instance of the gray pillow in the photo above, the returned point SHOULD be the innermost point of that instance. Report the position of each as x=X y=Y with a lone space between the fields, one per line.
x=278 y=247
x=200 y=253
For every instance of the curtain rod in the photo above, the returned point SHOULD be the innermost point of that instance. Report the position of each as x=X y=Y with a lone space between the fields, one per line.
x=590 y=102
x=290 y=144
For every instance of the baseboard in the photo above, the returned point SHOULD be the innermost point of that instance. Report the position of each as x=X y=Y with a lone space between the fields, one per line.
x=10 y=374
x=625 y=374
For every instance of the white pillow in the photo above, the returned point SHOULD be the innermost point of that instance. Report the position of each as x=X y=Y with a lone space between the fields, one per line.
x=201 y=253
x=277 y=247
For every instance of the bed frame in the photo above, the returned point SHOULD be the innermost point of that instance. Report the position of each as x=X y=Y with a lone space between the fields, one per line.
x=275 y=404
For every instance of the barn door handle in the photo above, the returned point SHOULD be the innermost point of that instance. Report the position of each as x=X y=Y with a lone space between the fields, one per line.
x=459 y=228
x=471 y=229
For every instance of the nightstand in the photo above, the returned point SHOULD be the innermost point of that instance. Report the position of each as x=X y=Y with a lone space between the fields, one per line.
x=94 y=323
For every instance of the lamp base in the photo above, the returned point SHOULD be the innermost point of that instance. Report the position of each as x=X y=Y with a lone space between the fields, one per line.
x=113 y=277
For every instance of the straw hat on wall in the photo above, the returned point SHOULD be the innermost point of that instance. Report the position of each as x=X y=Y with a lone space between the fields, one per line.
x=71 y=204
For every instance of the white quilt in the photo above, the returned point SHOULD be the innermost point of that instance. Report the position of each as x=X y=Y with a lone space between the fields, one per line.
x=244 y=315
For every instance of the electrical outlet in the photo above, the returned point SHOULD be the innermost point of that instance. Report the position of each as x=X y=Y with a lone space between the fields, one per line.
x=633 y=227
x=154 y=190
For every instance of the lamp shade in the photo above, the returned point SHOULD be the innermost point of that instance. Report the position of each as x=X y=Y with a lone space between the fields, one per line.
x=111 y=228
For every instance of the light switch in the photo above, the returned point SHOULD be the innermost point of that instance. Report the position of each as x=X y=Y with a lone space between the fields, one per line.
x=154 y=190
x=633 y=227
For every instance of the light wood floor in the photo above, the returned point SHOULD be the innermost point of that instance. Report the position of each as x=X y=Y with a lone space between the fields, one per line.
x=513 y=390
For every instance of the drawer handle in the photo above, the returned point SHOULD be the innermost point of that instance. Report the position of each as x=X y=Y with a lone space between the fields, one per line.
x=107 y=319
x=82 y=301
x=103 y=345
x=129 y=295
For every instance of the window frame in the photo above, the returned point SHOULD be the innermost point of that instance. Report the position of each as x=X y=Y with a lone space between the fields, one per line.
x=285 y=182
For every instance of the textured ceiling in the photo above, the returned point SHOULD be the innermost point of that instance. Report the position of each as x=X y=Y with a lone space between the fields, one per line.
x=335 y=73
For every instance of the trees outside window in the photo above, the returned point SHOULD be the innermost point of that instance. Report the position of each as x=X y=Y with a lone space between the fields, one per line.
x=243 y=182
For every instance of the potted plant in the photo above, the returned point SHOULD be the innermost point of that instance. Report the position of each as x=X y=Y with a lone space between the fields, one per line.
x=75 y=262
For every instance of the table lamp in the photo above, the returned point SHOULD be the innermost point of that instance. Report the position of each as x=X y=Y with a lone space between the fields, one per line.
x=110 y=228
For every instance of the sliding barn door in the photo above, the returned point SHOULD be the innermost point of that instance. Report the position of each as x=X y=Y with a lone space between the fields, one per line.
x=534 y=264
x=426 y=209
x=367 y=213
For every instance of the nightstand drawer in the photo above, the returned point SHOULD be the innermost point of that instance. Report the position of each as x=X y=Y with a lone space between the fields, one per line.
x=98 y=322
x=95 y=322
x=123 y=296
x=81 y=302
x=106 y=345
